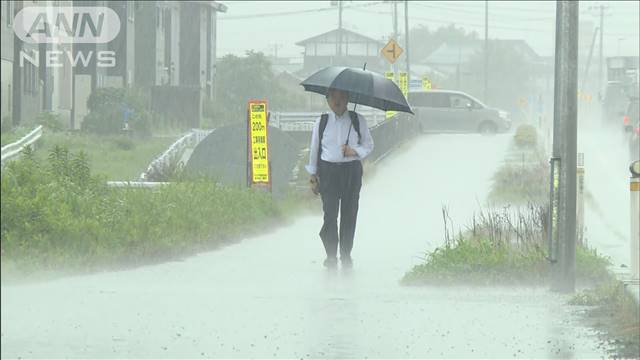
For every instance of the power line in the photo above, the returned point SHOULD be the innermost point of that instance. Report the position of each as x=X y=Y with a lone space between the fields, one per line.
x=447 y=22
x=474 y=12
x=296 y=12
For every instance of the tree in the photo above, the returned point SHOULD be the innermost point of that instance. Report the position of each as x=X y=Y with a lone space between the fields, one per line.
x=424 y=41
x=239 y=79
x=510 y=77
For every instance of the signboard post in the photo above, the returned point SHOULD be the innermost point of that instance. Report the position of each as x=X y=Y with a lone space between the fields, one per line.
x=403 y=83
x=257 y=145
x=391 y=76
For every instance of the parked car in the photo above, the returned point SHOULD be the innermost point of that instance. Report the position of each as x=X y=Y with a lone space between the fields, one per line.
x=631 y=123
x=616 y=101
x=456 y=111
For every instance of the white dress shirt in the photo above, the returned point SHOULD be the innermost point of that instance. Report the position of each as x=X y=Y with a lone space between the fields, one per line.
x=335 y=135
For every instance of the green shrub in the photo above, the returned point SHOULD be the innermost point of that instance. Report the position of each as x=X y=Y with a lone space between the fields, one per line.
x=107 y=108
x=56 y=214
x=7 y=124
x=51 y=121
x=124 y=143
x=526 y=136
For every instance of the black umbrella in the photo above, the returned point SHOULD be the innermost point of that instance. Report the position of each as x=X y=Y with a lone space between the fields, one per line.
x=364 y=87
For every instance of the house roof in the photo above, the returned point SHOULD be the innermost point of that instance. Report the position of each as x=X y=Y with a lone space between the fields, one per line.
x=333 y=34
x=454 y=53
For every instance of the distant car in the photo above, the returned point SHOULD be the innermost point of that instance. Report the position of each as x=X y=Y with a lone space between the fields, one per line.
x=616 y=101
x=455 y=111
x=631 y=123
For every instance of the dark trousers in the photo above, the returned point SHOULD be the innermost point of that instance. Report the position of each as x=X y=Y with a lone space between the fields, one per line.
x=340 y=185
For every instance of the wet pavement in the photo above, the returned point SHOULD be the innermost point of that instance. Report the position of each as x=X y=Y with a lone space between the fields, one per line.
x=268 y=296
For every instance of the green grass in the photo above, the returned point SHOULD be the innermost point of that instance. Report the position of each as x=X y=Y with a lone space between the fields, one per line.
x=57 y=215
x=480 y=261
x=13 y=135
x=118 y=157
x=615 y=315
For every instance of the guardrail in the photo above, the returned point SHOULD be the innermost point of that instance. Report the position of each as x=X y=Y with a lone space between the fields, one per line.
x=170 y=158
x=13 y=150
x=304 y=121
x=136 y=184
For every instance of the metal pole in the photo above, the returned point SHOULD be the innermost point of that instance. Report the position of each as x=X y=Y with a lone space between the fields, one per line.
x=635 y=219
x=339 y=52
x=601 y=54
x=580 y=200
x=586 y=70
x=406 y=42
x=565 y=141
x=395 y=29
x=486 y=50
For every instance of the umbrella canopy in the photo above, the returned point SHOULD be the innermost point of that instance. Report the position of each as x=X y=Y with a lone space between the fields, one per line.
x=364 y=87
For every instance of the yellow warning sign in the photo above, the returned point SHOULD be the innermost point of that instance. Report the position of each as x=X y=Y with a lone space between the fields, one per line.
x=392 y=51
x=258 y=139
x=403 y=83
x=391 y=76
x=426 y=83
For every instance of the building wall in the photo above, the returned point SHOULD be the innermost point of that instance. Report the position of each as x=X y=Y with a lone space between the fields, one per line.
x=145 y=43
x=6 y=58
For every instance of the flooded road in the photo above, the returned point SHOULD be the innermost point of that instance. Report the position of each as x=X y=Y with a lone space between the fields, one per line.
x=269 y=296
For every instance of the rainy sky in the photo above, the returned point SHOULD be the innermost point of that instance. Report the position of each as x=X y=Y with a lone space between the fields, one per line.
x=280 y=24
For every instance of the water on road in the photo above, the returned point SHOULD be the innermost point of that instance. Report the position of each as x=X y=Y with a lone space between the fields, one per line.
x=268 y=296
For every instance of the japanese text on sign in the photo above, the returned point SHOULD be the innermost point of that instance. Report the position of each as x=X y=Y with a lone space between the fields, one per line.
x=258 y=136
x=403 y=83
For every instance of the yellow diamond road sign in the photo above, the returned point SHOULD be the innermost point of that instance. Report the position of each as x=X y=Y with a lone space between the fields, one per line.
x=392 y=51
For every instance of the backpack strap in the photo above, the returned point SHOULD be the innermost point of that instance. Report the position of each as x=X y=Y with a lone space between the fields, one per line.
x=355 y=123
x=324 y=118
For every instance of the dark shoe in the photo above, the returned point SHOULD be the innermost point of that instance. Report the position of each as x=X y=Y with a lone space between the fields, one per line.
x=330 y=262
x=346 y=261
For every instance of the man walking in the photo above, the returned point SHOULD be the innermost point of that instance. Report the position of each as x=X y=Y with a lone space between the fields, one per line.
x=339 y=142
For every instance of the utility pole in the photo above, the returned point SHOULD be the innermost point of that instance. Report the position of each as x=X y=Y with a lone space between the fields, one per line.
x=395 y=29
x=601 y=53
x=406 y=39
x=486 y=50
x=564 y=161
x=339 y=52
x=586 y=70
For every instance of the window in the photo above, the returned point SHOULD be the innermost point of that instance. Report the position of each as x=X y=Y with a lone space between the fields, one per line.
x=419 y=99
x=460 y=101
x=30 y=79
x=429 y=99
x=9 y=12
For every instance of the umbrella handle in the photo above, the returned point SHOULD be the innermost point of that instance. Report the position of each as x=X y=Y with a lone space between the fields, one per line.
x=364 y=67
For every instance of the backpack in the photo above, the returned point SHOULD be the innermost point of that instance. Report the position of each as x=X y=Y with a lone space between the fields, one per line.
x=323 y=125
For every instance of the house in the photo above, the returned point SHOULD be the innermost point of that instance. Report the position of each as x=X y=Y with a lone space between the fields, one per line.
x=6 y=59
x=355 y=50
x=145 y=53
x=165 y=30
x=29 y=81
x=449 y=57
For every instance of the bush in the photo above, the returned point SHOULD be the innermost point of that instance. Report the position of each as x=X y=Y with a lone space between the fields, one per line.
x=7 y=124
x=56 y=214
x=526 y=136
x=108 y=108
x=50 y=121
x=500 y=247
x=124 y=143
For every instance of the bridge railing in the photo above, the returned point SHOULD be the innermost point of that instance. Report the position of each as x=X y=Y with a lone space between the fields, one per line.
x=304 y=121
x=13 y=150
x=172 y=155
